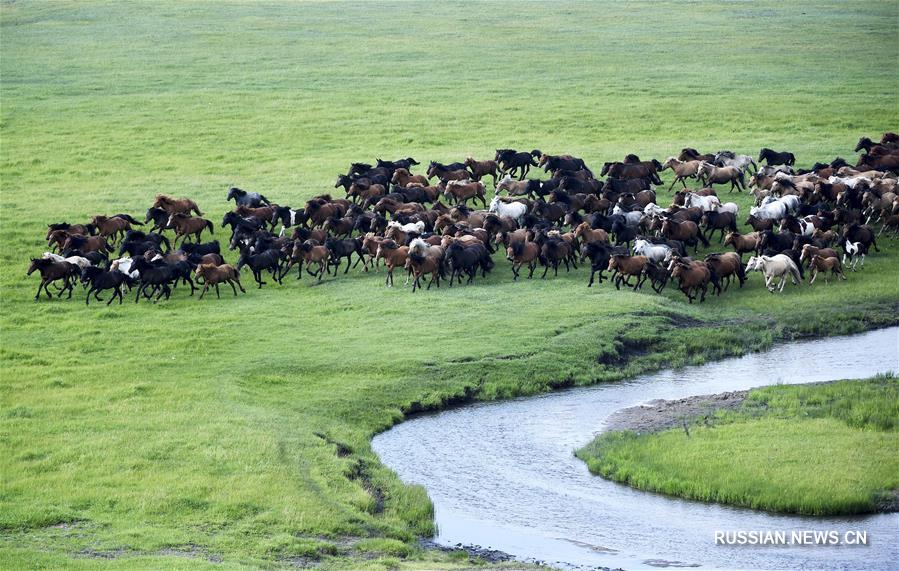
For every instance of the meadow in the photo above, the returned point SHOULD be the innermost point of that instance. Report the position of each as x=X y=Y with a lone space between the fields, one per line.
x=827 y=449
x=186 y=432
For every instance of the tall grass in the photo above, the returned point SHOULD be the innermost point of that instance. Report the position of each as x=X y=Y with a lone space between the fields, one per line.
x=814 y=449
x=239 y=425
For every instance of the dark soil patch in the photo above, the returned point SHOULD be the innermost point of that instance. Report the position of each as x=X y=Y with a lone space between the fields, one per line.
x=359 y=473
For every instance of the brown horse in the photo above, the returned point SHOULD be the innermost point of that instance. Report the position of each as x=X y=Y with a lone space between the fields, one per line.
x=709 y=174
x=623 y=267
x=87 y=244
x=693 y=277
x=176 y=205
x=743 y=243
x=727 y=265
x=265 y=214
x=185 y=225
x=402 y=177
x=830 y=264
x=686 y=231
x=587 y=234
x=809 y=251
x=215 y=274
x=480 y=169
x=520 y=253
x=682 y=170
x=52 y=271
x=394 y=257
x=461 y=192
x=111 y=228
x=691 y=154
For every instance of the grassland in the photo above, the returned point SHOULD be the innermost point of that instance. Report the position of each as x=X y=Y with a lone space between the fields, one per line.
x=809 y=449
x=185 y=432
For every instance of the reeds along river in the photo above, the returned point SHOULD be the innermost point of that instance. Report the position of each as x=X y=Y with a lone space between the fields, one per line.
x=504 y=475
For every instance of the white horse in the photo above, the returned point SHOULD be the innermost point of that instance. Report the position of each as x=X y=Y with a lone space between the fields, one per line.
x=731 y=207
x=851 y=182
x=655 y=252
x=514 y=210
x=742 y=162
x=631 y=218
x=79 y=261
x=706 y=203
x=856 y=251
x=778 y=266
x=653 y=209
x=769 y=170
x=124 y=265
x=411 y=227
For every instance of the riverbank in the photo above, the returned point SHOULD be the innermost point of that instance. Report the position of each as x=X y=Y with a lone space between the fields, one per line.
x=816 y=449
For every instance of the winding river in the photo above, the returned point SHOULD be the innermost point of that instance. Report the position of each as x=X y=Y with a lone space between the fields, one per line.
x=503 y=475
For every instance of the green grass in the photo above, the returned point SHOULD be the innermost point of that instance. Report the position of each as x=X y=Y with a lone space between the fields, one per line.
x=815 y=449
x=240 y=428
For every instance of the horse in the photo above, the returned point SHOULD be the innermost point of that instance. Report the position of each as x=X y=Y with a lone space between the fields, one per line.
x=520 y=253
x=726 y=265
x=686 y=231
x=467 y=258
x=176 y=205
x=79 y=261
x=856 y=252
x=729 y=159
x=112 y=227
x=447 y=172
x=743 y=243
x=87 y=244
x=213 y=275
x=462 y=191
x=394 y=256
x=693 y=277
x=709 y=174
x=646 y=170
x=555 y=250
x=514 y=210
x=691 y=154
x=511 y=161
x=776 y=158
x=778 y=266
x=682 y=170
x=403 y=177
x=159 y=275
x=563 y=162
x=856 y=233
x=515 y=187
x=716 y=220
x=52 y=271
x=653 y=252
x=244 y=198
x=819 y=263
x=186 y=225
x=706 y=203
x=624 y=267
x=83 y=229
x=480 y=169
x=100 y=279
x=268 y=260
x=343 y=249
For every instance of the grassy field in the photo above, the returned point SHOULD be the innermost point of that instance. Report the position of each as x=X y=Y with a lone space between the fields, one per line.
x=809 y=449
x=187 y=432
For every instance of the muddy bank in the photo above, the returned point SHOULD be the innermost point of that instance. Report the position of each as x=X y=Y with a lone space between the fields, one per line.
x=660 y=414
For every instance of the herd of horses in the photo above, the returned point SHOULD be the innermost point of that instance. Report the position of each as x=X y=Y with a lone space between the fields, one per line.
x=425 y=226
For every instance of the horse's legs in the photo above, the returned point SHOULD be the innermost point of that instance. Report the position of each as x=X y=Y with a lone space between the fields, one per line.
x=219 y=295
x=205 y=289
x=234 y=289
x=592 y=275
x=87 y=300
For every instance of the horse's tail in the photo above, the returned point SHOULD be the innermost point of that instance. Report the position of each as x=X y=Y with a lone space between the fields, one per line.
x=210 y=226
x=742 y=178
x=874 y=242
x=264 y=200
x=536 y=153
x=196 y=209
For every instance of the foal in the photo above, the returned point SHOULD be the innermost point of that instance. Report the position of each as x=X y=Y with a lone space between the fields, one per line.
x=215 y=274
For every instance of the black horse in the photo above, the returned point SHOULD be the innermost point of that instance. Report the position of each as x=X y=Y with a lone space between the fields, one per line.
x=160 y=276
x=775 y=158
x=159 y=217
x=511 y=161
x=195 y=249
x=566 y=163
x=343 y=249
x=100 y=279
x=244 y=198
x=468 y=259
x=268 y=260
